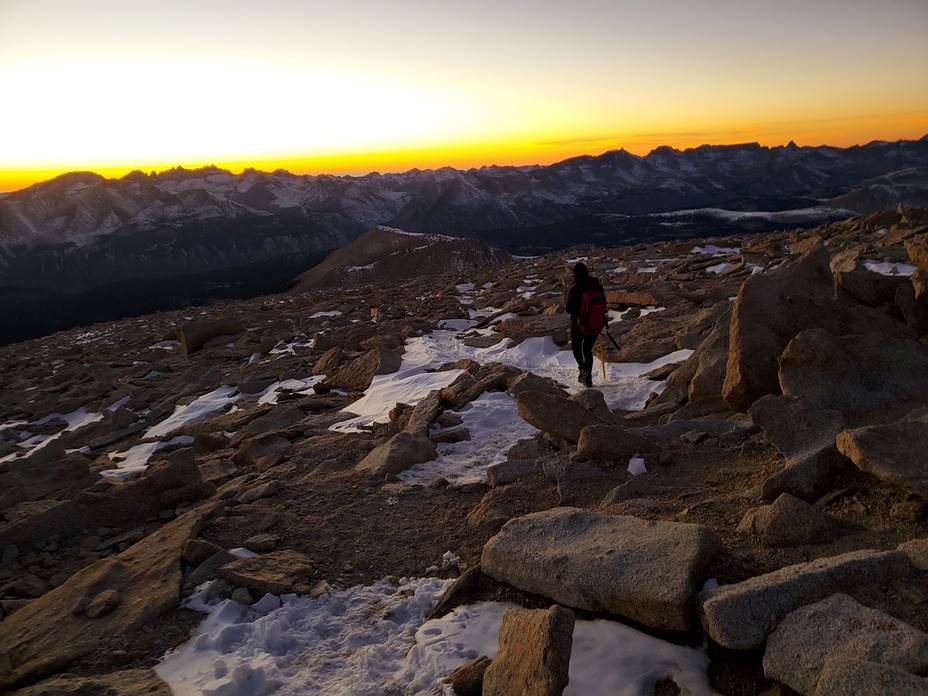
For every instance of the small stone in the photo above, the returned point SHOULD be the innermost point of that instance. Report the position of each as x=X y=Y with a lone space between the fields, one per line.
x=80 y=605
x=29 y=586
x=242 y=596
x=58 y=579
x=467 y=680
x=262 y=543
x=102 y=604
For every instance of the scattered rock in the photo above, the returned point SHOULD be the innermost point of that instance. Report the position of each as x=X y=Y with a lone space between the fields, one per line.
x=805 y=435
x=534 y=653
x=46 y=637
x=789 y=521
x=397 y=454
x=511 y=470
x=917 y=549
x=467 y=680
x=917 y=249
x=556 y=415
x=259 y=490
x=103 y=604
x=277 y=573
x=358 y=374
x=771 y=310
x=424 y=413
x=193 y=335
x=825 y=370
x=840 y=677
x=130 y=682
x=242 y=596
x=205 y=443
x=611 y=442
x=260 y=446
x=528 y=381
x=262 y=543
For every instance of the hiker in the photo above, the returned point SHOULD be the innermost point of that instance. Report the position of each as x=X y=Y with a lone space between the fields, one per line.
x=586 y=304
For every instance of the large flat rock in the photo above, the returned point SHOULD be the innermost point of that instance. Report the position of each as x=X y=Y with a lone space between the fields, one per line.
x=556 y=415
x=741 y=615
x=839 y=627
x=646 y=571
x=895 y=453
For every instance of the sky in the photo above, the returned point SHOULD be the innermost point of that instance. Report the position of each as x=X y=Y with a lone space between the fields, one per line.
x=364 y=85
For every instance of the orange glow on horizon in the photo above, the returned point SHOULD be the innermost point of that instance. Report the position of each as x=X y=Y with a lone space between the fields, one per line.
x=514 y=152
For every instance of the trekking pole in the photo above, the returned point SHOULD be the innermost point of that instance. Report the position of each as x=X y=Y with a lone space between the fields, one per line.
x=606 y=331
x=602 y=355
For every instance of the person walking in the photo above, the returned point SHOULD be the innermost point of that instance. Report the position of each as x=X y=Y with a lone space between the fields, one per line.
x=586 y=305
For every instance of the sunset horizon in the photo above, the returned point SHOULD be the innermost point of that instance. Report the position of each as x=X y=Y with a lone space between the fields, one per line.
x=364 y=164
x=316 y=89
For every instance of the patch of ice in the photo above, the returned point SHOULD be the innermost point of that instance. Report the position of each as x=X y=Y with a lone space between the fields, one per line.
x=494 y=425
x=889 y=269
x=135 y=460
x=218 y=400
x=296 y=386
x=319 y=315
x=720 y=268
x=713 y=250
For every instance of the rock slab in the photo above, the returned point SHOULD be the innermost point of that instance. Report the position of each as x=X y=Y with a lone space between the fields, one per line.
x=646 y=571
x=843 y=676
x=399 y=453
x=534 y=653
x=839 y=627
x=741 y=615
x=555 y=414
x=45 y=637
x=894 y=453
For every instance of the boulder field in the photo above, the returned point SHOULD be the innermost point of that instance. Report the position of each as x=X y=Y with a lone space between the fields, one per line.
x=768 y=501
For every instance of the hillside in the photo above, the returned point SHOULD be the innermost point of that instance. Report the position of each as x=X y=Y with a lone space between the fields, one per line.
x=736 y=497
x=383 y=254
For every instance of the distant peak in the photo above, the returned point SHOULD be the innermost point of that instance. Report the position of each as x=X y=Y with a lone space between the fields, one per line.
x=79 y=178
x=182 y=173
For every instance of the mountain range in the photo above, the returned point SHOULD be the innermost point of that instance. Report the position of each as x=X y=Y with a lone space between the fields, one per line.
x=75 y=244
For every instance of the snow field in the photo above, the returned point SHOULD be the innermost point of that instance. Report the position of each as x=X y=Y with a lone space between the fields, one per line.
x=374 y=640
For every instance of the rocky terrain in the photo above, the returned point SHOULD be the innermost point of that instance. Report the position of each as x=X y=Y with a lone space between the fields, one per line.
x=781 y=527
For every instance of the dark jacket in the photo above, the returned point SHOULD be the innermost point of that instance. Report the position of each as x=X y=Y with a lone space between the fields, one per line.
x=575 y=294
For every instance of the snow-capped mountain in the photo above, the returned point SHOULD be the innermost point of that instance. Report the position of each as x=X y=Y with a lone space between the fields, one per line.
x=80 y=230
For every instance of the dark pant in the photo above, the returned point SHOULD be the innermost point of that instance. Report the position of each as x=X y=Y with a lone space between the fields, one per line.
x=582 y=346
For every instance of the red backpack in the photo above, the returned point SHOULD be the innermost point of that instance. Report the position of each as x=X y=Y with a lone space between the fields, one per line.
x=592 y=317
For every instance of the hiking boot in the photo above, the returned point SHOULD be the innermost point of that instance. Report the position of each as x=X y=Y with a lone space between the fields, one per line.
x=588 y=378
x=581 y=377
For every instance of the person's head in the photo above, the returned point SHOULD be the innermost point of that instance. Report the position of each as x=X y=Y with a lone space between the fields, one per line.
x=581 y=271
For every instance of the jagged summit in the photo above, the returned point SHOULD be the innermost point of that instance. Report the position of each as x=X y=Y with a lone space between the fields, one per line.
x=386 y=254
